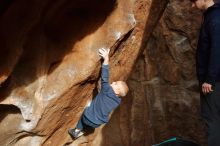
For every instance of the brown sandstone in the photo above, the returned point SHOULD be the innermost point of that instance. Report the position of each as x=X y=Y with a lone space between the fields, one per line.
x=50 y=69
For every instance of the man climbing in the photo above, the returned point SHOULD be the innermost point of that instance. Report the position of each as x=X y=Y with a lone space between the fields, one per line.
x=106 y=101
x=208 y=67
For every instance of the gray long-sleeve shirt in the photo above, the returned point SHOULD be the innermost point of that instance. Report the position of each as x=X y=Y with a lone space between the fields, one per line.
x=104 y=102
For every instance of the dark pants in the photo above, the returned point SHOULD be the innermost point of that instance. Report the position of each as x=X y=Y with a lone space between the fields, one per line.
x=210 y=108
x=85 y=123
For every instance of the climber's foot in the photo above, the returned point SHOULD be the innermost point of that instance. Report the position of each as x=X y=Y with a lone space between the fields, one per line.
x=75 y=133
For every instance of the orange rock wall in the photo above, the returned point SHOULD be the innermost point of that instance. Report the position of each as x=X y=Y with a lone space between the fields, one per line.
x=50 y=69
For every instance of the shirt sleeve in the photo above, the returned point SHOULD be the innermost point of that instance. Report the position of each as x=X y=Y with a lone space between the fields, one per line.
x=214 y=59
x=105 y=77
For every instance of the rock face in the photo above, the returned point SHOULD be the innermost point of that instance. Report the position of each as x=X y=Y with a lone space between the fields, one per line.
x=163 y=82
x=50 y=69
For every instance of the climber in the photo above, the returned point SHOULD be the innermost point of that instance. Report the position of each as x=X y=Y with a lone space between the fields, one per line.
x=208 y=67
x=106 y=101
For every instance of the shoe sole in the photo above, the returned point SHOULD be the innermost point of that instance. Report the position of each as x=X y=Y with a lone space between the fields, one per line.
x=79 y=135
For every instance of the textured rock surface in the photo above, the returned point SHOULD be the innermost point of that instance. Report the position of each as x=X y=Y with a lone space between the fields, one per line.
x=164 y=79
x=49 y=69
x=54 y=46
x=51 y=64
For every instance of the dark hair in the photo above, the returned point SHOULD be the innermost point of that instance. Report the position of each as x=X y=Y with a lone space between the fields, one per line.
x=193 y=1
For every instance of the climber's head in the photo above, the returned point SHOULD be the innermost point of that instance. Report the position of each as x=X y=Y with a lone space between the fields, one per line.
x=120 y=88
x=202 y=4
